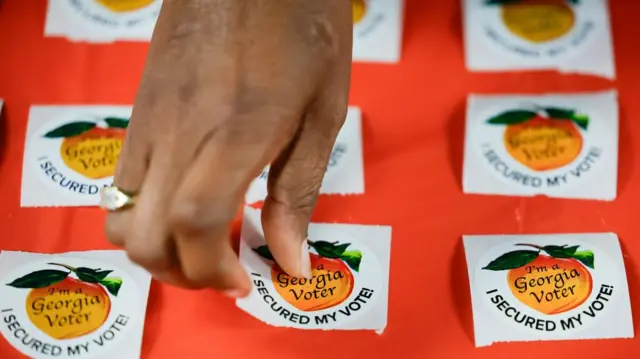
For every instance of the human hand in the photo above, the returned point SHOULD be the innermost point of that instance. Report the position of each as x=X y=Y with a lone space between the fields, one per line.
x=229 y=87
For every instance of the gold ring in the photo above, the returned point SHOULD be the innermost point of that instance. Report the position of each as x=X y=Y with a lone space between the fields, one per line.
x=114 y=199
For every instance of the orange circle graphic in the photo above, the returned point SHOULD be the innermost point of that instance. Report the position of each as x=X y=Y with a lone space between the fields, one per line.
x=121 y=6
x=359 y=10
x=68 y=309
x=551 y=285
x=543 y=144
x=93 y=154
x=539 y=21
x=331 y=284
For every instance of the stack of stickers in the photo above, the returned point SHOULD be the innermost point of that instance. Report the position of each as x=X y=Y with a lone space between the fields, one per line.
x=551 y=287
x=81 y=304
x=543 y=287
x=558 y=145
x=377 y=24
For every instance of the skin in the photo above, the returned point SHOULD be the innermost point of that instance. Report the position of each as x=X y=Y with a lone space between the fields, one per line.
x=231 y=86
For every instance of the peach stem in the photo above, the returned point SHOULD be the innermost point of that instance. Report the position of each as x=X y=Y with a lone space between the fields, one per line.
x=530 y=245
x=535 y=107
x=64 y=266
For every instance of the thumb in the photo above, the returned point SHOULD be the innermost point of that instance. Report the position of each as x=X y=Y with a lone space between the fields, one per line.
x=294 y=181
x=285 y=230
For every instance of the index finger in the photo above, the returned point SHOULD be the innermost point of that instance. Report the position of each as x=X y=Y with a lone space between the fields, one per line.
x=213 y=190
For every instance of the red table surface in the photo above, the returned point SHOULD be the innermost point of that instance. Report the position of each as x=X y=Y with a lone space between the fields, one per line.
x=413 y=138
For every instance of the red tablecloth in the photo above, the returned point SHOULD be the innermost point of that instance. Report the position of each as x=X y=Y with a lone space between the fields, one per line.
x=413 y=137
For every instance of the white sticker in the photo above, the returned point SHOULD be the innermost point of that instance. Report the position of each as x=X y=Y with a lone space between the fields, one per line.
x=377 y=24
x=569 y=36
x=73 y=305
x=102 y=20
x=548 y=287
x=377 y=30
x=562 y=146
x=345 y=172
x=71 y=153
x=350 y=284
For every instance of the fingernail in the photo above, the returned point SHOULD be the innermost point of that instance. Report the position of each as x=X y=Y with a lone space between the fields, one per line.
x=305 y=260
x=232 y=293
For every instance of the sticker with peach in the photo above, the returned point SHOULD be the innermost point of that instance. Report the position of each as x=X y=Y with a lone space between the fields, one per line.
x=542 y=139
x=549 y=279
x=124 y=6
x=89 y=149
x=332 y=279
x=65 y=306
x=359 y=10
x=537 y=21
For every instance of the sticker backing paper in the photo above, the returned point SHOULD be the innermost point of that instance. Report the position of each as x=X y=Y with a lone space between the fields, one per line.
x=350 y=284
x=563 y=146
x=71 y=153
x=567 y=36
x=102 y=20
x=377 y=30
x=73 y=305
x=377 y=24
x=548 y=287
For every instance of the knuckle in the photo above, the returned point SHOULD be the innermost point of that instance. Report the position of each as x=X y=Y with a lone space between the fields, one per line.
x=300 y=195
x=337 y=117
x=306 y=200
x=197 y=278
x=149 y=258
x=255 y=124
x=195 y=216
x=114 y=231
x=214 y=277
x=324 y=38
